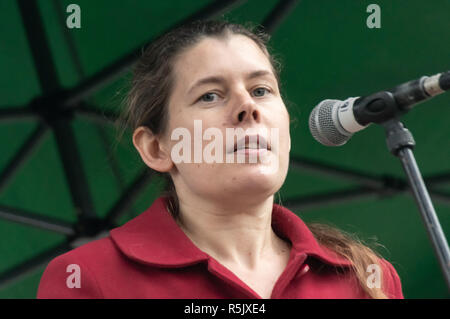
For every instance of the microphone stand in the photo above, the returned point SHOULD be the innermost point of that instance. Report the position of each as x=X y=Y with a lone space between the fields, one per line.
x=400 y=143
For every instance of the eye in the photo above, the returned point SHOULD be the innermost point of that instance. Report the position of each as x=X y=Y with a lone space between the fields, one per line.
x=261 y=90
x=208 y=96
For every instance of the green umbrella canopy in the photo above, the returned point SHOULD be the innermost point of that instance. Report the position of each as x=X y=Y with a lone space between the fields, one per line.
x=62 y=181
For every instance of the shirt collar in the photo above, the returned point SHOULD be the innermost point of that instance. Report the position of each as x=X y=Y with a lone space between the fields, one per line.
x=154 y=238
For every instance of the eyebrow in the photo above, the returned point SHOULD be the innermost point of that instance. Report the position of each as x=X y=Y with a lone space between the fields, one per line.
x=221 y=79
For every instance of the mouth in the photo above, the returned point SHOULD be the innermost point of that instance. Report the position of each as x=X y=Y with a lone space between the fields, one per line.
x=252 y=142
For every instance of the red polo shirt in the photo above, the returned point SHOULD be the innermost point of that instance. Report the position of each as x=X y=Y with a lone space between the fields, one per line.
x=151 y=257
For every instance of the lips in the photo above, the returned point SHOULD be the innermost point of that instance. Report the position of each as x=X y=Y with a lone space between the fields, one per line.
x=252 y=142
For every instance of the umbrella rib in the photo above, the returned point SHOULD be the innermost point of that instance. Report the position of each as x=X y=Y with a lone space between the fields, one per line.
x=58 y=8
x=16 y=113
x=99 y=116
x=383 y=185
x=128 y=196
x=111 y=158
x=339 y=172
x=46 y=71
x=60 y=123
x=73 y=167
x=79 y=69
x=440 y=196
x=437 y=179
x=337 y=197
x=328 y=198
x=28 y=267
x=31 y=219
x=22 y=155
x=278 y=14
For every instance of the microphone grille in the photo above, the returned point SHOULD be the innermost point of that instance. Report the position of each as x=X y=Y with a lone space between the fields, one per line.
x=324 y=128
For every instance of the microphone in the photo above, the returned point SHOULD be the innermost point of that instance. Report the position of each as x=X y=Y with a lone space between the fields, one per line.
x=333 y=122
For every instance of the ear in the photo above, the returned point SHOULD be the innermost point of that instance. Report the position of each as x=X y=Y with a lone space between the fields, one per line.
x=151 y=150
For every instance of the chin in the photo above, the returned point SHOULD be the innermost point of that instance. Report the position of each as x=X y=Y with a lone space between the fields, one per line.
x=254 y=183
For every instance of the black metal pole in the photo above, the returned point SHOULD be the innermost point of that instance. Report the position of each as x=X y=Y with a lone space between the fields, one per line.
x=428 y=213
x=400 y=143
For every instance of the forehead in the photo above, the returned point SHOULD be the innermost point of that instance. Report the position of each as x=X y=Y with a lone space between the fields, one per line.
x=236 y=55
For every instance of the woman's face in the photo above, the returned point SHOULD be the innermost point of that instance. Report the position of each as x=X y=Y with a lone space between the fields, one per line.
x=233 y=100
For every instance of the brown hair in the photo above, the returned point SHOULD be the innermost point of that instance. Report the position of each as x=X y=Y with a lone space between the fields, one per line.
x=146 y=105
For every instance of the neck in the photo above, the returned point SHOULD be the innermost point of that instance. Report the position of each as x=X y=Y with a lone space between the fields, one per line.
x=241 y=235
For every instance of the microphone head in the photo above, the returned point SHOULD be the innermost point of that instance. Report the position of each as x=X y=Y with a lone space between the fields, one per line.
x=325 y=126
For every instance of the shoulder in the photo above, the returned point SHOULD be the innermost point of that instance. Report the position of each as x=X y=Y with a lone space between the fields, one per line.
x=391 y=280
x=74 y=273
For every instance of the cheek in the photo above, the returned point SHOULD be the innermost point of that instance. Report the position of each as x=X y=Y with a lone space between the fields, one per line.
x=202 y=178
x=284 y=139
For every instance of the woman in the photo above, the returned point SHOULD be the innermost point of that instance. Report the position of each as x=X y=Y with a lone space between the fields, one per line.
x=217 y=232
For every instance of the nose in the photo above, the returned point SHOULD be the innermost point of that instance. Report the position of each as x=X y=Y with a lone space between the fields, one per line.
x=246 y=110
